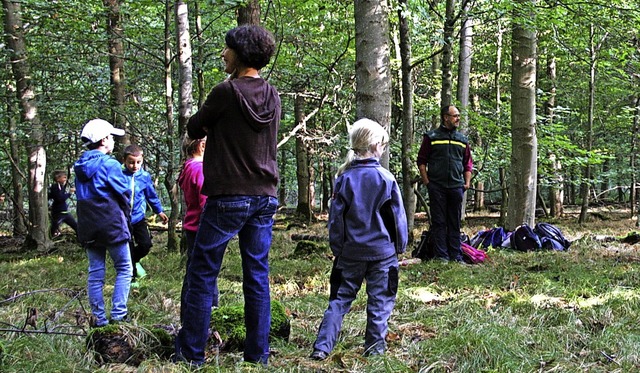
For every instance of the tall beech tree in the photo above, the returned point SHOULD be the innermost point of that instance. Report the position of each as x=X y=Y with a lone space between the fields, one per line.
x=38 y=227
x=115 y=32
x=524 y=142
x=373 y=71
x=408 y=163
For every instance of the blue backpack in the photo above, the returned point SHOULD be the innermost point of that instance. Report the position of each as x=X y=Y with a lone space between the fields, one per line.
x=551 y=237
x=489 y=238
x=524 y=238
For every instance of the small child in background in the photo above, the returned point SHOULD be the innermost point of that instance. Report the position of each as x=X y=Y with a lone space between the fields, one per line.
x=143 y=191
x=367 y=231
x=59 y=208
x=190 y=181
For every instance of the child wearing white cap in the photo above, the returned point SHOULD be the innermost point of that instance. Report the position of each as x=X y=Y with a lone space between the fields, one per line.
x=103 y=196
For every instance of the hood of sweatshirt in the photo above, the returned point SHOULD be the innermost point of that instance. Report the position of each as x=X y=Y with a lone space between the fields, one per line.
x=259 y=101
x=89 y=163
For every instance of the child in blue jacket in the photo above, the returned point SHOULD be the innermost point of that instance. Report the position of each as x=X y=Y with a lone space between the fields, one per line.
x=367 y=230
x=103 y=196
x=144 y=191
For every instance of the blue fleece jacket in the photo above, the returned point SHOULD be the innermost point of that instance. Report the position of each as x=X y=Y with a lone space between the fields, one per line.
x=103 y=197
x=367 y=220
x=145 y=192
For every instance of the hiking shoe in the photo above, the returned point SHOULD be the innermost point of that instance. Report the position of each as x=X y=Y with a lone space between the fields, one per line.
x=318 y=355
x=126 y=319
x=140 y=272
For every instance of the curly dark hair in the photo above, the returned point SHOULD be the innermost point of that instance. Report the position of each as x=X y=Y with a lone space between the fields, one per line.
x=254 y=45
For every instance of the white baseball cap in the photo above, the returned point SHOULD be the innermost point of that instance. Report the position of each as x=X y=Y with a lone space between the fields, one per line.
x=97 y=129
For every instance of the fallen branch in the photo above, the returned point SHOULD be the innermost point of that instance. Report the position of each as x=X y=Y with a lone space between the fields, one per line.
x=41 y=332
x=18 y=296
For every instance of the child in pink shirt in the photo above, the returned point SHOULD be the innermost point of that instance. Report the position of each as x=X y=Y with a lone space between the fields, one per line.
x=190 y=181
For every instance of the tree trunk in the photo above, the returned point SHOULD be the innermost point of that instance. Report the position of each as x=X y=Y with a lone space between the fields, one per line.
x=586 y=184
x=173 y=243
x=464 y=79
x=522 y=187
x=19 y=220
x=38 y=237
x=446 y=96
x=556 y=190
x=185 y=94
x=632 y=158
x=202 y=93
x=373 y=73
x=249 y=13
x=303 y=210
x=115 y=34
x=408 y=164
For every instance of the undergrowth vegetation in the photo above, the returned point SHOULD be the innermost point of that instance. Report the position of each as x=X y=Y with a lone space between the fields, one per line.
x=574 y=311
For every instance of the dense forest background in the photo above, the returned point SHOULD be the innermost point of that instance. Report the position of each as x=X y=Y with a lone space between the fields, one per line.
x=67 y=62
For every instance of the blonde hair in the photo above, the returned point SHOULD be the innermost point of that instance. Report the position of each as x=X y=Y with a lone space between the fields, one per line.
x=363 y=136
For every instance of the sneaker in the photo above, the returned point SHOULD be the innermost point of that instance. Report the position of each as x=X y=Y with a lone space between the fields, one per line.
x=140 y=271
x=126 y=319
x=318 y=355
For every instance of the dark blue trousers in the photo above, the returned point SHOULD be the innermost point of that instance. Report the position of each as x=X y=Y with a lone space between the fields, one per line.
x=446 y=212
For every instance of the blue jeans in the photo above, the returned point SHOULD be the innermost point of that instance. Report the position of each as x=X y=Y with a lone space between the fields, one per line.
x=121 y=257
x=346 y=279
x=446 y=212
x=251 y=218
x=190 y=236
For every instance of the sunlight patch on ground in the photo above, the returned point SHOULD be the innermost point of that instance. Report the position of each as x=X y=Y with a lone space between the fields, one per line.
x=423 y=294
x=545 y=301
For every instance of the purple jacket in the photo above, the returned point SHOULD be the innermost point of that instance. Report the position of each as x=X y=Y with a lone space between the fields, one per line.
x=367 y=220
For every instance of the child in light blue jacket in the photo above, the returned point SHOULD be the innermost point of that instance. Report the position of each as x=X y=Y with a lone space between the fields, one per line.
x=144 y=192
x=367 y=230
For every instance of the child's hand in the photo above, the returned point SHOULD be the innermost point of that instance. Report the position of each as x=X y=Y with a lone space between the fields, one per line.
x=164 y=217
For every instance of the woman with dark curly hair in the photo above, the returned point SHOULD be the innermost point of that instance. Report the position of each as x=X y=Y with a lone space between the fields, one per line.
x=240 y=118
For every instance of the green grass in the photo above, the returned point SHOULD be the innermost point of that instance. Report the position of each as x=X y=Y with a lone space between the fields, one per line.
x=574 y=311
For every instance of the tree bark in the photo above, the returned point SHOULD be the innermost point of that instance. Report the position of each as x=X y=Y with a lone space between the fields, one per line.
x=586 y=184
x=556 y=190
x=446 y=96
x=115 y=34
x=173 y=243
x=373 y=73
x=303 y=209
x=202 y=93
x=522 y=187
x=633 y=158
x=249 y=13
x=408 y=164
x=38 y=237
x=19 y=220
x=464 y=79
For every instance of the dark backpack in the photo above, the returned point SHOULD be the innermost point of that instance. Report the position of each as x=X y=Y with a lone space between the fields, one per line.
x=425 y=249
x=551 y=237
x=524 y=238
x=489 y=238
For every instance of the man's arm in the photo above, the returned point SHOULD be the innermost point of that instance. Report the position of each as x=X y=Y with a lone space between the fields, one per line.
x=423 y=174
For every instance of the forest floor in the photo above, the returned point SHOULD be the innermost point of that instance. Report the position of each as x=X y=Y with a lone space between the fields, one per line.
x=573 y=311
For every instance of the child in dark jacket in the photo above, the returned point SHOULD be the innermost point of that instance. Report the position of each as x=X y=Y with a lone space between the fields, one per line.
x=59 y=209
x=143 y=191
x=367 y=230
x=103 y=195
